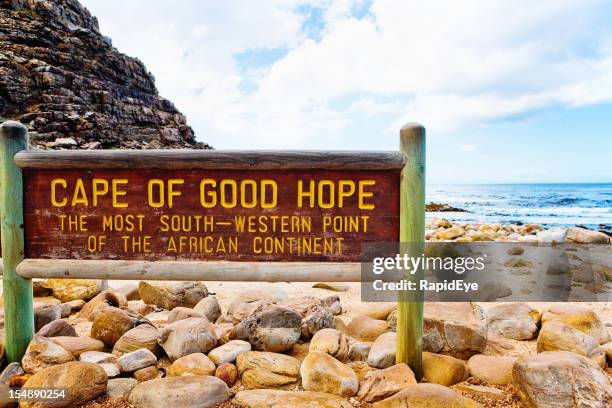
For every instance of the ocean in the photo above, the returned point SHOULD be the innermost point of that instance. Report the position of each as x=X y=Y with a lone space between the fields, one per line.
x=550 y=205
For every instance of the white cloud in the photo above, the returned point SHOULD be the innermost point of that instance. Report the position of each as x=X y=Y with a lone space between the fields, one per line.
x=446 y=64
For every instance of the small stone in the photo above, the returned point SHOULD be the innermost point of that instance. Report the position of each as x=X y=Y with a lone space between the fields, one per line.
x=209 y=308
x=444 y=370
x=192 y=392
x=141 y=336
x=296 y=399
x=322 y=373
x=450 y=233
x=11 y=370
x=318 y=317
x=558 y=336
x=136 y=360
x=515 y=250
x=482 y=391
x=492 y=369
x=56 y=328
x=111 y=369
x=102 y=300
x=97 y=357
x=140 y=307
x=359 y=351
x=110 y=324
x=586 y=236
x=67 y=290
x=364 y=328
x=46 y=314
x=192 y=335
x=172 y=294
x=120 y=387
x=333 y=286
x=261 y=369
x=146 y=374
x=180 y=313
x=381 y=384
x=382 y=353
x=228 y=352
x=380 y=310
x=270 y=328
x=78 y=345
x=517 y=321
x=42 y=353
x=228 y=373
x=192 y=364
x=579 y=317
x=427 y=396
x=332 y=342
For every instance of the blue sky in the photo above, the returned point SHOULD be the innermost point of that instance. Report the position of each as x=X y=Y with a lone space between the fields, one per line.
x=509 y=91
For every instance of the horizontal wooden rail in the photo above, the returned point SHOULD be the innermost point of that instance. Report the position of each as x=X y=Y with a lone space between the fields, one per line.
x=209 y=159
x=191 y=270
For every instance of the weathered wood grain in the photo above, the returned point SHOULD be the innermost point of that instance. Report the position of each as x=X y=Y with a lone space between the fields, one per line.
x=17 y=291
x=192 y=270
x=412 y=230
x=210 y=159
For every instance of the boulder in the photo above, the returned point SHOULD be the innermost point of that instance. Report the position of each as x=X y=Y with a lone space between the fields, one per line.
x=579 y=317
x=209 y=308
x=78 y=345
x=321 y=372
x=180 y=313
x=427 y=396
x=294 y=399
x=444 y=370
x=260 y=369
x=42 y=353
x=192 y=335
x=560 y=379
x=455 y=329
x=558 y=336
x=331 y=341
x=492 y=370
x=228 y=373
x=381 y=384
x=172 y=294
x=100 y=301
x=270 y=328
x=110 y=324
x=83 y=382
x=136 y=360
x=228 y=352
x=364 y=328
x=67 y=290
x=141 y=336
x=517 y=321
x=146 y=374
x=586 y=236
x=45 y=314
x=192 y=392
x=56 y=328
x=382 y=353
x=120 y=387
x=192 y=364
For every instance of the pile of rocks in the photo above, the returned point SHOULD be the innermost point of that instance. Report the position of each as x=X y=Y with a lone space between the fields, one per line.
x=67 y=83
x=440 y=229
x=173 y=344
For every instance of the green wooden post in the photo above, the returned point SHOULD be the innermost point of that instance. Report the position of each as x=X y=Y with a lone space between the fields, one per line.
x=412 y=230
x=17 y=291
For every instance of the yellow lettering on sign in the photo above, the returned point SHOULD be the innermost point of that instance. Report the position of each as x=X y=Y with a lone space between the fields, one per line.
x=118 y=193
x=365 y=194
x=54 y=184
x=79 y=196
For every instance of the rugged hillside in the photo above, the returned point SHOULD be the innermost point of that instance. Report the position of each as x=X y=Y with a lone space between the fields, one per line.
x=63 y=79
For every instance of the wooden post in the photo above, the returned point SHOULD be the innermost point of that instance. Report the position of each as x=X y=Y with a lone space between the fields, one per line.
x=412 y=230
x=18 y=301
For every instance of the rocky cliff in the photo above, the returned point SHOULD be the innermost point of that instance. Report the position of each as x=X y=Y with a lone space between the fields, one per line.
x=63 y=79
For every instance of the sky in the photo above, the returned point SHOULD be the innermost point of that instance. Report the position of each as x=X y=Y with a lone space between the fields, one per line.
x=509 y=91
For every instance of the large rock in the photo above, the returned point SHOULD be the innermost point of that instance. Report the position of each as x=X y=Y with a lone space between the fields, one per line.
x=180 y=313
x=560 y=379
x=42 y=353
x=67 y=290
x=444 y=370
x=558 y=336
x=100 y=301
x=141 y=336
x=260 y=369
x=382 y=353
x=381 y=384
x=586 y=236
x=317 y=318
x=456 y=329
x=427 y=396
x=110 y=324
x=120 y=387
x=45 y=314
x=228 y=352
x=78 y=345
x=294 y=399
x=136 y=360
x=97 y=357
x=492 y=370
x=56 y=328
x=579 y=317
x=192 y=392
x=172 y=294
x=192 y=364
x=83 y=382
x=193 y=335
x=270 y=328
x=238 y=310
x=364 y=328
x=517 y=321
x=331 y=341
x=322 y=373
x=209 y=308
x=228 y=373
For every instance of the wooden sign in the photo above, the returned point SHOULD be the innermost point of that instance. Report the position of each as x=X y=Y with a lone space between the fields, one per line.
x=209 y=214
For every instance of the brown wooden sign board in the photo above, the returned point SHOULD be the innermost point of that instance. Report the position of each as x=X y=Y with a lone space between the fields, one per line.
x=208 y=214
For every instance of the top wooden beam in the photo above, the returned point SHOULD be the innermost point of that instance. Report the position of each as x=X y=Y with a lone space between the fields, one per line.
x=210 y=159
